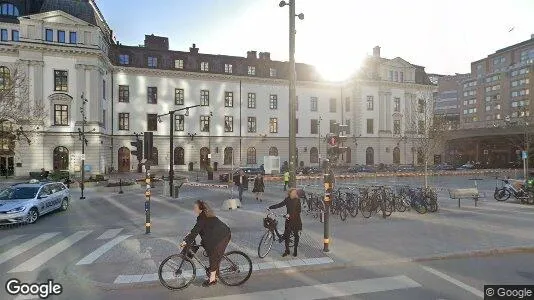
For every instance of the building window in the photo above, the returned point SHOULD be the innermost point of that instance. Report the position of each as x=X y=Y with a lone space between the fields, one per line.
x=251 y=70
x=104 y=89
x=314 y=155
x=3 y=35
x=296 y=103
x=60 y=158
x=228 y=124
x=205 y=123
x=179 y=156
x=273 y=125
x=228 y=99
x=178 y=63
x=152 y=95
x=61 y=114
x=332 y=125
x=61 y=82
x=228 y=68
x=5 y=78
x=370 y=129
x=49 y=35
x=179 y=123
x=390 y=75
x=152 y=122
x=347 y=122
x=251 y=100
x=421 y=106
x=314 y=126
x=401 y=77
x=61 y=36
x=313 y=103
x=347 y=104
x=124 y=93
x=251 y=124
x=369 y=156
x=204 y=66
x=124 y=121
x=273 y=151
x=73 y=38
x=179 y=96
x=8 y=9
x=251 y=156
x=15 y=35
x=152 y=62
x=155 y=156
x=396 y=127
x=333 y=105
x=228 y=155
x=204 y=97
x=272 y=72
x=396 y=104
x=296 y=125
x=273 y=102
x=370 y=102
x=124 y=59
x=396 y=76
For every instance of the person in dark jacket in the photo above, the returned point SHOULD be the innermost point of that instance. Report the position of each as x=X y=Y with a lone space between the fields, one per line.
x=215 y=237
x=259 y=187
x=241 y=180
x=293 y=220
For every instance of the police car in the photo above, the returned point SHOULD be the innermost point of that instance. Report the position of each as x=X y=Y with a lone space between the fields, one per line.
x=26 y=202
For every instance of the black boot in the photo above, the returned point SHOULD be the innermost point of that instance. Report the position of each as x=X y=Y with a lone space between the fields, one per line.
x=295 y=252
x=285 y=253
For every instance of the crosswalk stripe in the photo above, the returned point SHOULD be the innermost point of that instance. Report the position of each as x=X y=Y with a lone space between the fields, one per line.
x=41 y=258
x=458 y=283
x=91 y=257
x=26 y=246
x=329 y=290
x=109 y=234
x=9 y=239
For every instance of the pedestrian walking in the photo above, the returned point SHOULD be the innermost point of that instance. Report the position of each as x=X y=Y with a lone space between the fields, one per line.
x=286 y=180
x=293 y=221
x=259 y=187
x=241 y=180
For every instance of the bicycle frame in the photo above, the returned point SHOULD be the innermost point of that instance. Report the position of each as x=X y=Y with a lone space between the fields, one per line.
x=275 y=228
x=192 y=255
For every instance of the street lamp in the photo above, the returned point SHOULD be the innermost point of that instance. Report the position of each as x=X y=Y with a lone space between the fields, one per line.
x=292 y=91
x=81 y=133
x=171 y=143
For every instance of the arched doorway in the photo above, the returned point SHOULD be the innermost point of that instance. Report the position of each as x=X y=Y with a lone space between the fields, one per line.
x=396 y=155
x=273 y=151
x=348 y=155
x=314 y=155
x=370 y=156
x=61 y=158
x=228 y=155
x=124 y=159
x=204 y=161
x=179 y=156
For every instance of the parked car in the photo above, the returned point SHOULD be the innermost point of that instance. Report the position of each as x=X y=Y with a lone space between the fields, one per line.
x=405 y=168
x=26 y=202
x=444 y=167
x=309 y=170
x=470 y=166
x=250 y=172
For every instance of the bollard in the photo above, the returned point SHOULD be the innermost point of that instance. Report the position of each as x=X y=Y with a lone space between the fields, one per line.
x=147 y=203
x=120 y=187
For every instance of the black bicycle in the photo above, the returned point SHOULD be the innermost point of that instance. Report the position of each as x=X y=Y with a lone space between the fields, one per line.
x=271 y=232
x=177 y=271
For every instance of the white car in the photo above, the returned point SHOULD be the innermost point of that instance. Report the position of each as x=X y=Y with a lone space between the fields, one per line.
x=26 y=202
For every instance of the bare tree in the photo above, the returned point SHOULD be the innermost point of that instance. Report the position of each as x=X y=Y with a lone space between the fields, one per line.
x=427 y=131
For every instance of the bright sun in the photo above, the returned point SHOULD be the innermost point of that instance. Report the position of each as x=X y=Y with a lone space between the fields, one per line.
x=339 y=69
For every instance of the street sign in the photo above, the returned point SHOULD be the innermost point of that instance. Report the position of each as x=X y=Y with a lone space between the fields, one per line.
x=87 y=168
x=209 y=155
x=524 y=154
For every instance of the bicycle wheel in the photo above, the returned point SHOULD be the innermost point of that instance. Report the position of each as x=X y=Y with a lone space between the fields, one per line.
x=366 y=207
x=389 y=206
x=235 y=268
x=432 y=204
x=419 y=206
x=176 y=272
x=343 y=213
x=266 y=243
x=353 y=208
x=399 y=204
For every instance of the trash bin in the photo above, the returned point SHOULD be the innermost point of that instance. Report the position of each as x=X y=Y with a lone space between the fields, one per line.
x=176 y=191
x=190 y=167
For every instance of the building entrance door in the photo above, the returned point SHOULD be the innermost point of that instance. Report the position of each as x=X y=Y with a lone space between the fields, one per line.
x=7 y=165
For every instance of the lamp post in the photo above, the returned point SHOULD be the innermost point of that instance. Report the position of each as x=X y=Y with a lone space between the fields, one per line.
x=292 y=91
x=319 y=140
x=171 y=143
x=84 y=143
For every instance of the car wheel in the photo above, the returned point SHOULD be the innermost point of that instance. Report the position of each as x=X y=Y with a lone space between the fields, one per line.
x=64 y=204
x=32 y=216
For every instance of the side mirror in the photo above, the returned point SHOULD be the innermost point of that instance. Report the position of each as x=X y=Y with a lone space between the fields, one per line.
x=42 y=197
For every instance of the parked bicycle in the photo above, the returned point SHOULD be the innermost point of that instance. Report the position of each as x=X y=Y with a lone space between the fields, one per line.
x=271 y=232
x=177 y=271
x=517 y=189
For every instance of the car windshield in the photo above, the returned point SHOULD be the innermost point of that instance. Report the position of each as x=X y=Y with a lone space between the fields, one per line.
x=16 y=193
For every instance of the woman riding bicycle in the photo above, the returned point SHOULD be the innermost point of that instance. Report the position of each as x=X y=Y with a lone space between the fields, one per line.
x=215 y=237
x=293 y=220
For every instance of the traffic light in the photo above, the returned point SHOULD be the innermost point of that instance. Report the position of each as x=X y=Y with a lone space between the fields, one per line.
x=342 y=138
x=138 y=152
x=328 y=179
x=149 y=144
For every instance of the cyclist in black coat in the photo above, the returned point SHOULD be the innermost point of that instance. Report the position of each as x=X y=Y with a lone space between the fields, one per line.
x=293 y=220
x=215 y=237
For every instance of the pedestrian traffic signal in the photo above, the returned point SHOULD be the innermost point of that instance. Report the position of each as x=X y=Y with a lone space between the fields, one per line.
x=328 y=179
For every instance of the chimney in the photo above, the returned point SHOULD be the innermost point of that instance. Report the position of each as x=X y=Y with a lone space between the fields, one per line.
x=156 y=42
x=532 y=36
x=194 y=49
x=267 y=55
x=251 y=55
x=376 y=51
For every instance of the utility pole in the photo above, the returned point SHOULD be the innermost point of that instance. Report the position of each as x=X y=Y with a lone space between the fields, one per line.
x=292 y=92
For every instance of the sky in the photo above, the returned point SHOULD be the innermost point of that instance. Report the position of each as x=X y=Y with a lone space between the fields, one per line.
x=335 y=35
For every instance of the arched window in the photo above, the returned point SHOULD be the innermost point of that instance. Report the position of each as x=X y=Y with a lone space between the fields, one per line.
x=204 y=161
x=228 y=155
x=273 y=151
x=396 y=155
x=154 y=161
x=5 y=77
x=251 y=156
x=179 y=156
x=370 y=156
x=420 y=156
x=348 y=155
x=8 y=9
x=61 y=158
x=314 y=155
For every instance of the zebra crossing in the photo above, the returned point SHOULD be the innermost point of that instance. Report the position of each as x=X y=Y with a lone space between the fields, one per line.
x=41 y=248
